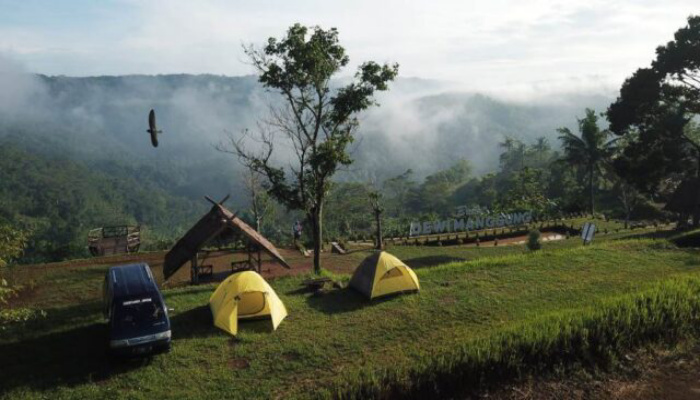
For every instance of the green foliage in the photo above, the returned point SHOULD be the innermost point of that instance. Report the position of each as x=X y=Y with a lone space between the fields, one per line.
x=299 y=67
x=348 y=211
x=12 y=243
x=654 y=114
x=14 y=316
x=589 y=152
x=59 y=201
x=396 y=191
x=527 y=192
x=533 y=240
x=435 y=193
x=318 y=122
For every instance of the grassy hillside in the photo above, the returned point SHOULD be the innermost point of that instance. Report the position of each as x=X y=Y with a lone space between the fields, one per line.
x=342 y=341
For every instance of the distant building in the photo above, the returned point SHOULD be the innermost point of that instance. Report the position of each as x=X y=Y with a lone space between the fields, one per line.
x=114 y=240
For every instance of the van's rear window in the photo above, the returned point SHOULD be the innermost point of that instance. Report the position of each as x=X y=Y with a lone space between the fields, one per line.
x=138 y=313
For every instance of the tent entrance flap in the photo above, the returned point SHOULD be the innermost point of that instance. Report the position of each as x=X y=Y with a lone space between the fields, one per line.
x=251 y=303
x=392 y=273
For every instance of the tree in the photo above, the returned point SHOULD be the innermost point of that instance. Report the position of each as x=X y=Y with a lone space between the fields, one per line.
x=654 y=112
x=587 y=152
x=435 y=193
x=397 y=190
x=12 y=243
x=260 y=202
x=318 y=122
x=375 y=201
x=525 y=191
x=541 y=148
x=346 y=209
x=512 y=159
x=629 y=198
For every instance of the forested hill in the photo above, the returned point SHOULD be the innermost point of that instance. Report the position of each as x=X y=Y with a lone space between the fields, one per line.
x=76 y=155
x=59 y=200
x=421 y=124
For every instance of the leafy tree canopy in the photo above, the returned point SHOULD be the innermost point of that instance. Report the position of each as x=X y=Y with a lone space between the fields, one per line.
x=654 y=108
x=317 y=121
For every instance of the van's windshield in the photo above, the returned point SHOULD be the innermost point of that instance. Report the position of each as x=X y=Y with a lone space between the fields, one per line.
x=133 y=315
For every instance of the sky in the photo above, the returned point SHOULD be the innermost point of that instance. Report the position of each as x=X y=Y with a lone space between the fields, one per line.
x=497 y=44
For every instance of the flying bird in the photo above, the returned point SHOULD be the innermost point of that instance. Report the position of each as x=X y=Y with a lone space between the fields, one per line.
x=152 y=129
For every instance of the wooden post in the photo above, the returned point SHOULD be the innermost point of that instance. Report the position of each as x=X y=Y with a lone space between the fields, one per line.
x=250 y=255
x=195 y=270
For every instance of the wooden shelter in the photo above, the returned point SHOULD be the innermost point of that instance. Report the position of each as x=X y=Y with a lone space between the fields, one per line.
x=110 y=240
x=210 y=226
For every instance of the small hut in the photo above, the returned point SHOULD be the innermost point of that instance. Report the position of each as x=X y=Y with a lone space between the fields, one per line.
x=216 y=222
x=110 y=240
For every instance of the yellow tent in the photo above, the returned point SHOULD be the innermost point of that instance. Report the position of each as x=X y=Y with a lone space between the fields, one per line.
x=245 y=295
x=381 y=274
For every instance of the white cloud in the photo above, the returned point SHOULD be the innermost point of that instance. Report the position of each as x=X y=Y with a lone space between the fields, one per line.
x=496 y=45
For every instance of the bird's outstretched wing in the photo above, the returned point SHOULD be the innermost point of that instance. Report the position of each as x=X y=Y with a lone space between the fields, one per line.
x=152 y=128
x=154 y=139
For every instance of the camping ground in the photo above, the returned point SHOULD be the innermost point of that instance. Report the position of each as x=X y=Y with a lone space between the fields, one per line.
x=478 y=309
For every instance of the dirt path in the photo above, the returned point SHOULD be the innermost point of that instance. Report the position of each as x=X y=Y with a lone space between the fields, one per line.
x=219 y=260
x=545 y=237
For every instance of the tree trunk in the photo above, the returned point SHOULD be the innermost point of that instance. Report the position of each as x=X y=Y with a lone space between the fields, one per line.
x=317 y=228
x=254 y=198
x=696 y=205
x=590 y=187
x=380 y=239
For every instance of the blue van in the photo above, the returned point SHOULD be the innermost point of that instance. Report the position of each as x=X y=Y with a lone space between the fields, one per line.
x=136 y=314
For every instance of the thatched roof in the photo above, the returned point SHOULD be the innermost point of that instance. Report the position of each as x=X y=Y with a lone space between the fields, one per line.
x=211 y=225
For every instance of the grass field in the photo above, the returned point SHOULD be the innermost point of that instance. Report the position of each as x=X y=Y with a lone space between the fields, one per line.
x=333 y=341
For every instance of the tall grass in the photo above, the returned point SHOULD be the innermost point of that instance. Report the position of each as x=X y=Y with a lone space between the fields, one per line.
x=593 y=337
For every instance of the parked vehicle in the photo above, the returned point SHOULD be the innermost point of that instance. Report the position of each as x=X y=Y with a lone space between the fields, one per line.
x=136 y=314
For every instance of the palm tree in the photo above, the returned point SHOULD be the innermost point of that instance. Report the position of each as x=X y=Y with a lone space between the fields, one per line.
x=513 y=156
x=541 y=147
x=589 y=151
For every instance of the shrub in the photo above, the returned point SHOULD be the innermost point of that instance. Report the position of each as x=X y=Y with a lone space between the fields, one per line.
x=533 y=240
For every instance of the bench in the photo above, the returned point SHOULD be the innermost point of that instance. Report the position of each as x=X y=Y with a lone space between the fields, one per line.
x=239 y=266
x=205 y=270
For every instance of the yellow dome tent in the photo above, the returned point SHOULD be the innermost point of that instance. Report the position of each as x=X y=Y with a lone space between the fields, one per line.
x=245 y=295
x=382 y=274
